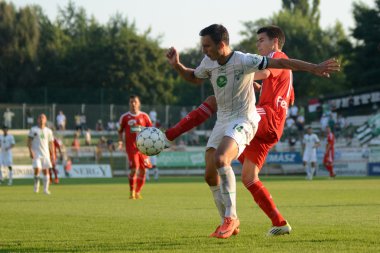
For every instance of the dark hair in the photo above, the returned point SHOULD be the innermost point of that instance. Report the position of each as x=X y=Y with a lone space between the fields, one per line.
x=274 y=32
x=218 y=33
x=134 y=96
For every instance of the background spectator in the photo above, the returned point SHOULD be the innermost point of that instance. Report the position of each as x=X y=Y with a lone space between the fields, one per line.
x=61 y=121
x=8 y=115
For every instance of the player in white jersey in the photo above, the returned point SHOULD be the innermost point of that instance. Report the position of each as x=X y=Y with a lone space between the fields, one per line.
x=231 y=74
x=310 y=143
x=40 y=144
x=7 y=142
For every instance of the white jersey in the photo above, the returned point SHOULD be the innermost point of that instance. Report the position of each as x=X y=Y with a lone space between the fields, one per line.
x=232 y=84
x=310 y=140
x=40 y=141
x=6 y=142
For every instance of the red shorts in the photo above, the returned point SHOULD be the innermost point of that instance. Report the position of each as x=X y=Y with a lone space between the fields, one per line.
x=138 y=161
x=266 y=137
x=329 y=157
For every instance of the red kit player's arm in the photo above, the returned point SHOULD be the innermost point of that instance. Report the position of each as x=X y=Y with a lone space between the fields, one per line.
x=121 y=130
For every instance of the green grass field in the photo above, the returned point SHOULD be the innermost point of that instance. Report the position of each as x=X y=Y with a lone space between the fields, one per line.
x=177 y=214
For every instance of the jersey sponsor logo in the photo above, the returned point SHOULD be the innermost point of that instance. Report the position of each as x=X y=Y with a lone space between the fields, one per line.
x=221 y=81
x=132 y=122
x=238 y=128
x=281 y=102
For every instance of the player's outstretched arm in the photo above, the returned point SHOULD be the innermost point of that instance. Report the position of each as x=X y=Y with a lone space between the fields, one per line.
x=183 y=71
x=323 y=69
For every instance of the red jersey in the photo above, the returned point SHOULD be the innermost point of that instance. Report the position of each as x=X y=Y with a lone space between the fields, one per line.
x=277 y=93
x=131 y=124
x=331 y=141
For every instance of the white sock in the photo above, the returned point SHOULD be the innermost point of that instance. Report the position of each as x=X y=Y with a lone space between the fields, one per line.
x=46 y=182
x=228 y=190
x=312 y=171
x=36 y=183
x=218 y=199
x=307 y=170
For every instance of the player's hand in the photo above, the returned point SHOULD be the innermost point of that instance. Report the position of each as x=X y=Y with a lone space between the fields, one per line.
x=325 y=68
x=173 y=56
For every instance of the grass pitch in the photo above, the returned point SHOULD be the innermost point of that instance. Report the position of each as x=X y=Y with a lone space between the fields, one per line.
x=177 y=214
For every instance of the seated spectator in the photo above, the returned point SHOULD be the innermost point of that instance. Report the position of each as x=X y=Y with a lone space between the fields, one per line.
x=87 y=137
x=111 y=126
x=75 y=145
x=99 y=125
x=100 y=147
x=290 y=122
x=324 y=122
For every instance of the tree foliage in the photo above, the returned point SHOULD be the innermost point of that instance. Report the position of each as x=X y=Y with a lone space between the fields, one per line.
x=364 y=67
x=75 y=52
x=305 y=40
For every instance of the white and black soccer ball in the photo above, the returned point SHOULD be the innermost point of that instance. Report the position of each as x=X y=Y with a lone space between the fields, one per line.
x=150 y=141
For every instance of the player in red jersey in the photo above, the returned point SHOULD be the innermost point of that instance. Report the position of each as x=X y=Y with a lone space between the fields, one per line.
x=56 y=147
x=131 y=123
x=276 y=95
x=328 y=160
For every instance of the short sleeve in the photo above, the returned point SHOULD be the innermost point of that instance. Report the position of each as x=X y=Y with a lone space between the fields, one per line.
x=121 y=124
x=276 y=72
x=31 y=133
x=201 y=71
x=253 y=62
x=51 y=137
x=316 y=138
x=148 y=122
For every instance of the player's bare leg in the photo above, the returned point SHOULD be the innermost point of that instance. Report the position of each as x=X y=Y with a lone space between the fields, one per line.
x=132 y=184
x=251 y=180
x=225 y=153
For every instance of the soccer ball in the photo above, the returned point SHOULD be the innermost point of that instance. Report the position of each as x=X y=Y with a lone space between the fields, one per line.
x=150 y=141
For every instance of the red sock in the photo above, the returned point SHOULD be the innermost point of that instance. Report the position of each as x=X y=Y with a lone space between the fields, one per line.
x=193 y=119
x=264 y=200
x=140 y=183
x=55 y=173
x=330 y=169
x=132 y=183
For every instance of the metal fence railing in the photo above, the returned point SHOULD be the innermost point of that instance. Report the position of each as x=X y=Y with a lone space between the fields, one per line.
x=23 y=116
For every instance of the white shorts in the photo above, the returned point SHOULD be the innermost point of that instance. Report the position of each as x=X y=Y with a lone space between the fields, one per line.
x=6 y=159
x=241 y=130
x=310 y=156
x=42 y=163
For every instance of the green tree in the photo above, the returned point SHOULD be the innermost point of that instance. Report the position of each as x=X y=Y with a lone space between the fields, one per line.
x=304 y=40
x=364 y=67
x=18 y=48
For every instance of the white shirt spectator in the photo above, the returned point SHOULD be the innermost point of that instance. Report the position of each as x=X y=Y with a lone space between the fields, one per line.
x=324 y=122
x=293 y=111
x=290 y=122
x=153 y=115
x=8 y=115
x=61 y=121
